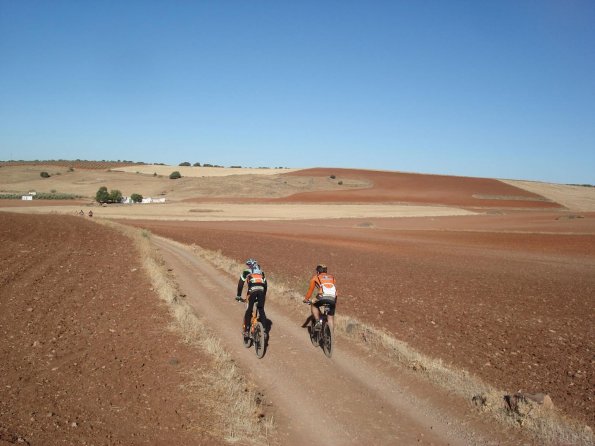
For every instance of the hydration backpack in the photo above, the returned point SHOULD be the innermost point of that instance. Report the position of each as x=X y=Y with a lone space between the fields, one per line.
x=327 y=285
x=256 y=278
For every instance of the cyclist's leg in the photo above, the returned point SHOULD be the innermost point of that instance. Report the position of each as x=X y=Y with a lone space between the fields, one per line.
x=260 y=299
x=330 y=317
x=248 y=313
x=315 y=312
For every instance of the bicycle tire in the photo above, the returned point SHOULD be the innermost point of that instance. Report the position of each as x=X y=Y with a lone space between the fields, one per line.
x=327 y=341
x=259 y=341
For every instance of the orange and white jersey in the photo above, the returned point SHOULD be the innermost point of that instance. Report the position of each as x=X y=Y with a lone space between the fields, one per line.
x=325 y=286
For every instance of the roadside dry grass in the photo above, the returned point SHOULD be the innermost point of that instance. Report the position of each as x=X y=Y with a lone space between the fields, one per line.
x=547 y=424
x=234 y=401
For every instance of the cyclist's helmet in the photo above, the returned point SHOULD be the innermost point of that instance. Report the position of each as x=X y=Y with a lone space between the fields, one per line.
x=320 y=268
x=251 y=262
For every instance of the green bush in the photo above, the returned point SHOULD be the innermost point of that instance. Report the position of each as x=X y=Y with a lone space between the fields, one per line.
x=333 y=177
x=196 y=164
x=102 y=195
x=136 y=198
x=115 y=196
x=185 y=163
x=44 y=174
x=175 y=175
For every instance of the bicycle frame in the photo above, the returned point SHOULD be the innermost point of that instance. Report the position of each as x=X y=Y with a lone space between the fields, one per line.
x=253 y=320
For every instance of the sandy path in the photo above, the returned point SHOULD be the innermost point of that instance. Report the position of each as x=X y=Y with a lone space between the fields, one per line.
x=359 y=403
x=231 y=212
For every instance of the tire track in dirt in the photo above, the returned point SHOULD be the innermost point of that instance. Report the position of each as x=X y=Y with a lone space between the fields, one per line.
x=316 y=400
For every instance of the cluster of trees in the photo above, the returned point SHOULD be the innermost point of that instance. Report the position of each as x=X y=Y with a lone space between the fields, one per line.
x=103 y=196
x=187 y=164
x=114 y=196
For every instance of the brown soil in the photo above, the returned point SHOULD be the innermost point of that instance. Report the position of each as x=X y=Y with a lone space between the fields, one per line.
x=507 y=297
x=306 y=186
x=418 y=188
x=86 y=356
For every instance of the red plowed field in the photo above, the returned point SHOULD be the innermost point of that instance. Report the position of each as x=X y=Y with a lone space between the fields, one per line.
x=86 y=356
x=509 y=298
x=397 y=187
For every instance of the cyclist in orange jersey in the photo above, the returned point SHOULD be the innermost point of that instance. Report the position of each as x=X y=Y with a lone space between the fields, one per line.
x=325 y=285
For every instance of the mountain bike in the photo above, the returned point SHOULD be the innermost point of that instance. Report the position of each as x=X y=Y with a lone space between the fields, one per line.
x=322 y=336
x=256 y=334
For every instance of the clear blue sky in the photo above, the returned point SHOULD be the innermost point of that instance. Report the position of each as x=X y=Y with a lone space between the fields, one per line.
x=502 y=89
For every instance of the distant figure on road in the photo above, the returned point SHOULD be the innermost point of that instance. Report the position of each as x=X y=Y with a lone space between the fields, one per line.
x=90 y=213
x=81 y=212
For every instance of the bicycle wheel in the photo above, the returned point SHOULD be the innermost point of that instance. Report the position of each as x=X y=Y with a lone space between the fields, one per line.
x=327 y=341
x=259 y=341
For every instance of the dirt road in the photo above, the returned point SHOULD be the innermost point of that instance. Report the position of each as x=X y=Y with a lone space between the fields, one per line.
x=315 y=400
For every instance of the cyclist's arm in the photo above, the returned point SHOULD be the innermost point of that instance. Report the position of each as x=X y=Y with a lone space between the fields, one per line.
x=243 y=278
x=311 y=288
x=241 y=285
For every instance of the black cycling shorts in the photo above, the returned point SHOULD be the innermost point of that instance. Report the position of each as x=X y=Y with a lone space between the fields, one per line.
x=331 y=306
